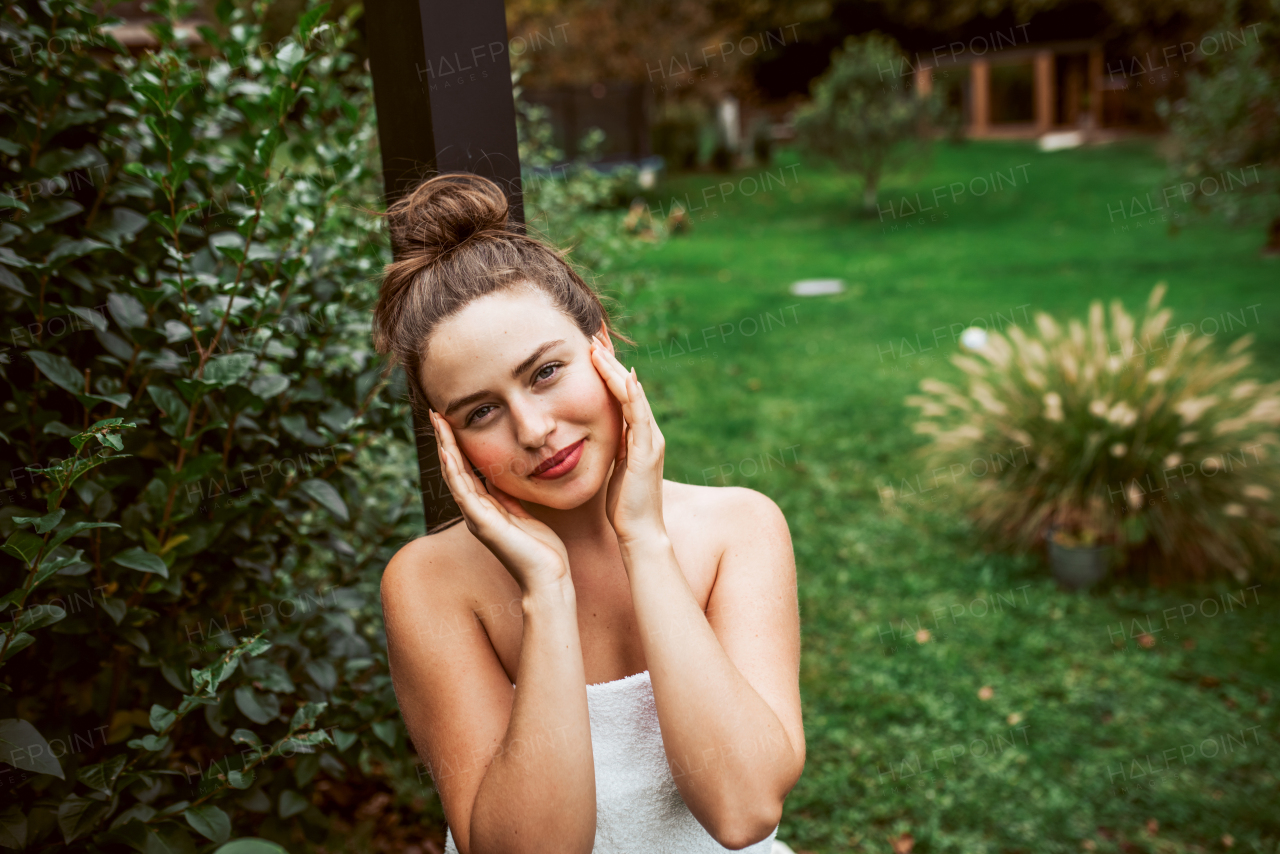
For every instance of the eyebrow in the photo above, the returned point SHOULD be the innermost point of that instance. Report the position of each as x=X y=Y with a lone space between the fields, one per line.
x=515 y=374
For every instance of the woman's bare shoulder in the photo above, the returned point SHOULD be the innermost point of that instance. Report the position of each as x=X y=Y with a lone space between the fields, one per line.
x=735 y=512
x=431 y=563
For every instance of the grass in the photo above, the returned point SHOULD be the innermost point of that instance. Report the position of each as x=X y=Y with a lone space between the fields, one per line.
x=1026 y=719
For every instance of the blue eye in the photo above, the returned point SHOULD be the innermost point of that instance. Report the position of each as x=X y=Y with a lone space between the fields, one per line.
x=542 y=372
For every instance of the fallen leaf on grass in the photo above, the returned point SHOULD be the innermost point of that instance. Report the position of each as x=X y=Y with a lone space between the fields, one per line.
x=986 y=692
x=903 y=844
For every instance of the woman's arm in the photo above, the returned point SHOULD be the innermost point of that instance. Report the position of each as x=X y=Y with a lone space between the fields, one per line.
x=514 y=769
x=726 y=684
x=528 y=775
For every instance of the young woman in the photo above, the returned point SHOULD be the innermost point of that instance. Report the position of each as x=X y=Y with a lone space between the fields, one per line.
x=598 y=660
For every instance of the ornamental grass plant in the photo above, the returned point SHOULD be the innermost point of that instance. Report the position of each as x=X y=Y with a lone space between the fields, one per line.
x=1148 y=436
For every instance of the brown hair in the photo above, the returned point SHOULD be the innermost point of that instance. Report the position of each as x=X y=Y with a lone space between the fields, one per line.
x=453 y=242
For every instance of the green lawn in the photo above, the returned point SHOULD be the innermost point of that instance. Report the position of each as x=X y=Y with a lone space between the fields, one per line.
x=1086 y=736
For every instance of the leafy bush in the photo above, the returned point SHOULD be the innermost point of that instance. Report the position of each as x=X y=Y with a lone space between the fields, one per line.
x=1226 y=130
x=677 y=130
x=1140 y=435
x=859 y=120
x=200 y=450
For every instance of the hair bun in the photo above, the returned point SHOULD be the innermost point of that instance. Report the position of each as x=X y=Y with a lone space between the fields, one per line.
x=443 y=213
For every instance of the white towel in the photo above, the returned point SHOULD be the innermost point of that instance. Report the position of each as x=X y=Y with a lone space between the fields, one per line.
x=638 y=807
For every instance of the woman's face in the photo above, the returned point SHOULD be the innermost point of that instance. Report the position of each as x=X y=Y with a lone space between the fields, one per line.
x=513 y=377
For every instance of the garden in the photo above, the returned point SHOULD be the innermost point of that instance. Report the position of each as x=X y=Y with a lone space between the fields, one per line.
x=1026 y=448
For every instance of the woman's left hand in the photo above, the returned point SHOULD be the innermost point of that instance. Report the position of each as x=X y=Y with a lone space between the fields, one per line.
x=633 y=501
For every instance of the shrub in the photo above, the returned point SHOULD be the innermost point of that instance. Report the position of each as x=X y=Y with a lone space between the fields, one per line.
x=860 y=120
x=677 y=132
x=1140 y=435
x=1226 y=130
x=199 y=448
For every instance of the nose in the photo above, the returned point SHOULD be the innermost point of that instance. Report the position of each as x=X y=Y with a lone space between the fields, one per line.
x=532 y=421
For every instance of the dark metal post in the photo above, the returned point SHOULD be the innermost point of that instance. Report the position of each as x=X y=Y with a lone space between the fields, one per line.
x=442 y=87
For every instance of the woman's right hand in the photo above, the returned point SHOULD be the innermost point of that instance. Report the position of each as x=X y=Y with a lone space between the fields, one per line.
x=527 y=547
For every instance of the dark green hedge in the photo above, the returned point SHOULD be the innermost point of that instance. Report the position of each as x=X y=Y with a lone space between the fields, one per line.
x=203 y=473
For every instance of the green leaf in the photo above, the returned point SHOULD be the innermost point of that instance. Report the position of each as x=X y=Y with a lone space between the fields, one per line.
x=306 y=769
x=8 y=279
x=77 y=816
x=102 y=777
x=23 y=545
x=45 y=523
x=193 y=389
x=151 y=743
x=240 y=779
x=13 y=827
x=70 y=249
x=143 y=561
x=259 y=708
x=327 y=496
x=250 y=845
x=25 y=748
x=45 y=615
x=385 y=731
x=228 y=243
x=165 y=838
x=128 y=310
x=60 y=370
x=47 y=214
x=20 y=641
x=115 y=609
x=246 y=736
x=118 y=226
x=323 y=673
x=79 y=527
x=308 y=20
x=229 y=368
x=306 y=715
x=291 y=803
x=267 y=386
x=209 y=821
x=161 y=718
x=135 y=637
x=344 y=739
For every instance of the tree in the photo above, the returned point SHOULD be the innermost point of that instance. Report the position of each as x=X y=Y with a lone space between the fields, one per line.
x=1227 y=130
x=858 y=118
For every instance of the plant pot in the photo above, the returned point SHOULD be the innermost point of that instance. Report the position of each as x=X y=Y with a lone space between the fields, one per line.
x=1078 y=568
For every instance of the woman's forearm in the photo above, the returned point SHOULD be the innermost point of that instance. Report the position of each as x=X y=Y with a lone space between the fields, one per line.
x=729 y=754
x=539 y=792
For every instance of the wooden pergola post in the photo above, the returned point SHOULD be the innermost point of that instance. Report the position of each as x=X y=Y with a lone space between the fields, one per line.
x=924 y=81
x=1095 y=87
x=1044 y=91
x=980 y=92
x=442 y=87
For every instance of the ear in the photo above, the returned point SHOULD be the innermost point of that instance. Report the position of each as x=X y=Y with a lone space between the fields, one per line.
x=602 y=335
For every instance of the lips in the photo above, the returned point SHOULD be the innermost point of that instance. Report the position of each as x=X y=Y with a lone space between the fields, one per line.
x=561 y=462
